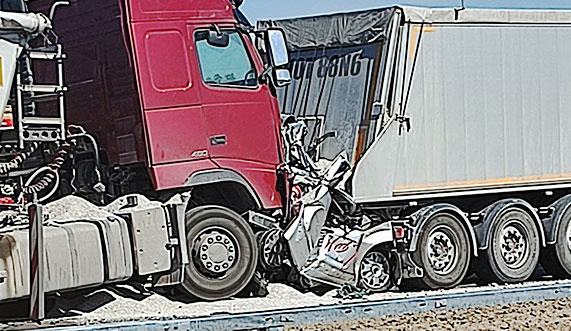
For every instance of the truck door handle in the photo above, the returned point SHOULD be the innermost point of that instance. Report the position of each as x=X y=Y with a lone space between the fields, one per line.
x=218 y=140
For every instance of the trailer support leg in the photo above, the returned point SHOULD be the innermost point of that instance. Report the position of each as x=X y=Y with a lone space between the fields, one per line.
x=37 y=309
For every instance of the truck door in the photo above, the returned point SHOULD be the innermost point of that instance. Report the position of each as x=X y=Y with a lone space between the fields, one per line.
x=238 y=112
x=169 y=91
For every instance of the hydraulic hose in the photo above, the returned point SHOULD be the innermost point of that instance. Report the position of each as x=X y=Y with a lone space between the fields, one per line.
x=51 y=174
x=16 y=162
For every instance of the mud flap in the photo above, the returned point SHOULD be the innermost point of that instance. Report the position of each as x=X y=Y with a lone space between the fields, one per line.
x=409 y=268
x=396 y=263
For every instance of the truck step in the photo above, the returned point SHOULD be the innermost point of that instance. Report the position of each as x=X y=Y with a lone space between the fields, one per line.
x=42 y=121
x=46 y=55
x=43 y=88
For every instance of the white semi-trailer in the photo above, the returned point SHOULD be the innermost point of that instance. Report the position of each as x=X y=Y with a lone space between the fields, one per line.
x=461 y=131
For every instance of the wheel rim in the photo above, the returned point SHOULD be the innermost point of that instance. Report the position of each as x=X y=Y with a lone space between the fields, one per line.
x=514 y=245
x=375 y=271
x=441 y=251
x=271 y=249
x=216 y=251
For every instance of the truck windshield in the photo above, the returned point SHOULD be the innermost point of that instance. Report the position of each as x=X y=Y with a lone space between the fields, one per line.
x=229 y=65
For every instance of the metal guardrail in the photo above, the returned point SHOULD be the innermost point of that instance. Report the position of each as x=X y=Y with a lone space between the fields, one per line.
x=276 y=319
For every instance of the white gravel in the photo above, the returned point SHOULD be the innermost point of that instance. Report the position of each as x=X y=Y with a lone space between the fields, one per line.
x=72 y=208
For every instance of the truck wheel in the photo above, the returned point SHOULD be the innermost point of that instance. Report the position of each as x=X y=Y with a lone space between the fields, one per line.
x=556 y=258
x=513 y=251
x=443 y=252
x=375 y=272
x=222 y=252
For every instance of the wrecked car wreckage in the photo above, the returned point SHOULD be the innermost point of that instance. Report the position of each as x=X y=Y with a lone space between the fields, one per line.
x=330 y=242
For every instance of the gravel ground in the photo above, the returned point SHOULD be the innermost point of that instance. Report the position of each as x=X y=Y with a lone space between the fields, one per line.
x=73 y=208
x=131 y=302
x=545 y=315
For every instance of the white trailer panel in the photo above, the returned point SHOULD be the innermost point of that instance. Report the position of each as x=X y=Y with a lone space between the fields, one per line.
x=489 y=108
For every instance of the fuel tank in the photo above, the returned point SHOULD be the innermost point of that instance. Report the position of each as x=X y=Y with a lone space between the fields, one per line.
x=77 y=254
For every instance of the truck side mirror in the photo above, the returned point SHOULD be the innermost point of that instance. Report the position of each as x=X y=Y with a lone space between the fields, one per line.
x=282 y=77
x=279 y=57
x=276 y=44
x=217 y=39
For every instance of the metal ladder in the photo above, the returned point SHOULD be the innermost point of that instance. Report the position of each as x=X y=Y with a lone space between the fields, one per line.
x=35 y=128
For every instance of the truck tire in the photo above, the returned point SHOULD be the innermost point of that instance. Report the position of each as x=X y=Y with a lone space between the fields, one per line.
x=443 y=252
x=222 y=251
x=556 y=258
x=513 y=249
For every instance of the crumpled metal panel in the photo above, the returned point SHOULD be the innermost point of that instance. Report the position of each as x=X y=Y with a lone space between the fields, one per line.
x=335 y=262
x=302 y=236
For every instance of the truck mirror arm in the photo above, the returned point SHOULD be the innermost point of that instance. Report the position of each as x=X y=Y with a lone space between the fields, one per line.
x=265 y=76
x=55 y=5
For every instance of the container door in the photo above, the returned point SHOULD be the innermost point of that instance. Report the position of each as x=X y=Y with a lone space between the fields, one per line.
x=170 y=96
x=240 y=120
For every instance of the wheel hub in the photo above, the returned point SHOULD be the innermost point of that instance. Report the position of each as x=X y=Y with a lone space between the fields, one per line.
x=441 y=252
x=216 y=251
x=271 y=249
x=513 y=246
x=374 y=270
x=569 y=236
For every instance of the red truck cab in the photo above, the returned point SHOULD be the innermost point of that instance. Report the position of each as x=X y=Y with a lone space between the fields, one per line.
x=180 y=100
x=207 y=117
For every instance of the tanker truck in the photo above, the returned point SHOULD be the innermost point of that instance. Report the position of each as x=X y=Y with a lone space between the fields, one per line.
x=176 y=138
x=456 y=122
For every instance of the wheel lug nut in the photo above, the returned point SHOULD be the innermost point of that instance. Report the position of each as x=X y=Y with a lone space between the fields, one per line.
x=216 y=268
x=230 y=258
x=204 y=257
x=210 y=240
x=225 y=265
x=204 y=247
x=218 y=238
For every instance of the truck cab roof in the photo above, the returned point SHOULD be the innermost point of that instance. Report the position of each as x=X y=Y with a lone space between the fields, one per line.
x=193 y=10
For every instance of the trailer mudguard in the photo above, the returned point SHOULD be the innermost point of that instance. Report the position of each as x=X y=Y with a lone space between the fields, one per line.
x=419 y=219
x=494 y=210
x=551 y=224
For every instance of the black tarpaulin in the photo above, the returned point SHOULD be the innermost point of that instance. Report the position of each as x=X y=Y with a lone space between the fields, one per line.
x=335 y=30
x=336 y=62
